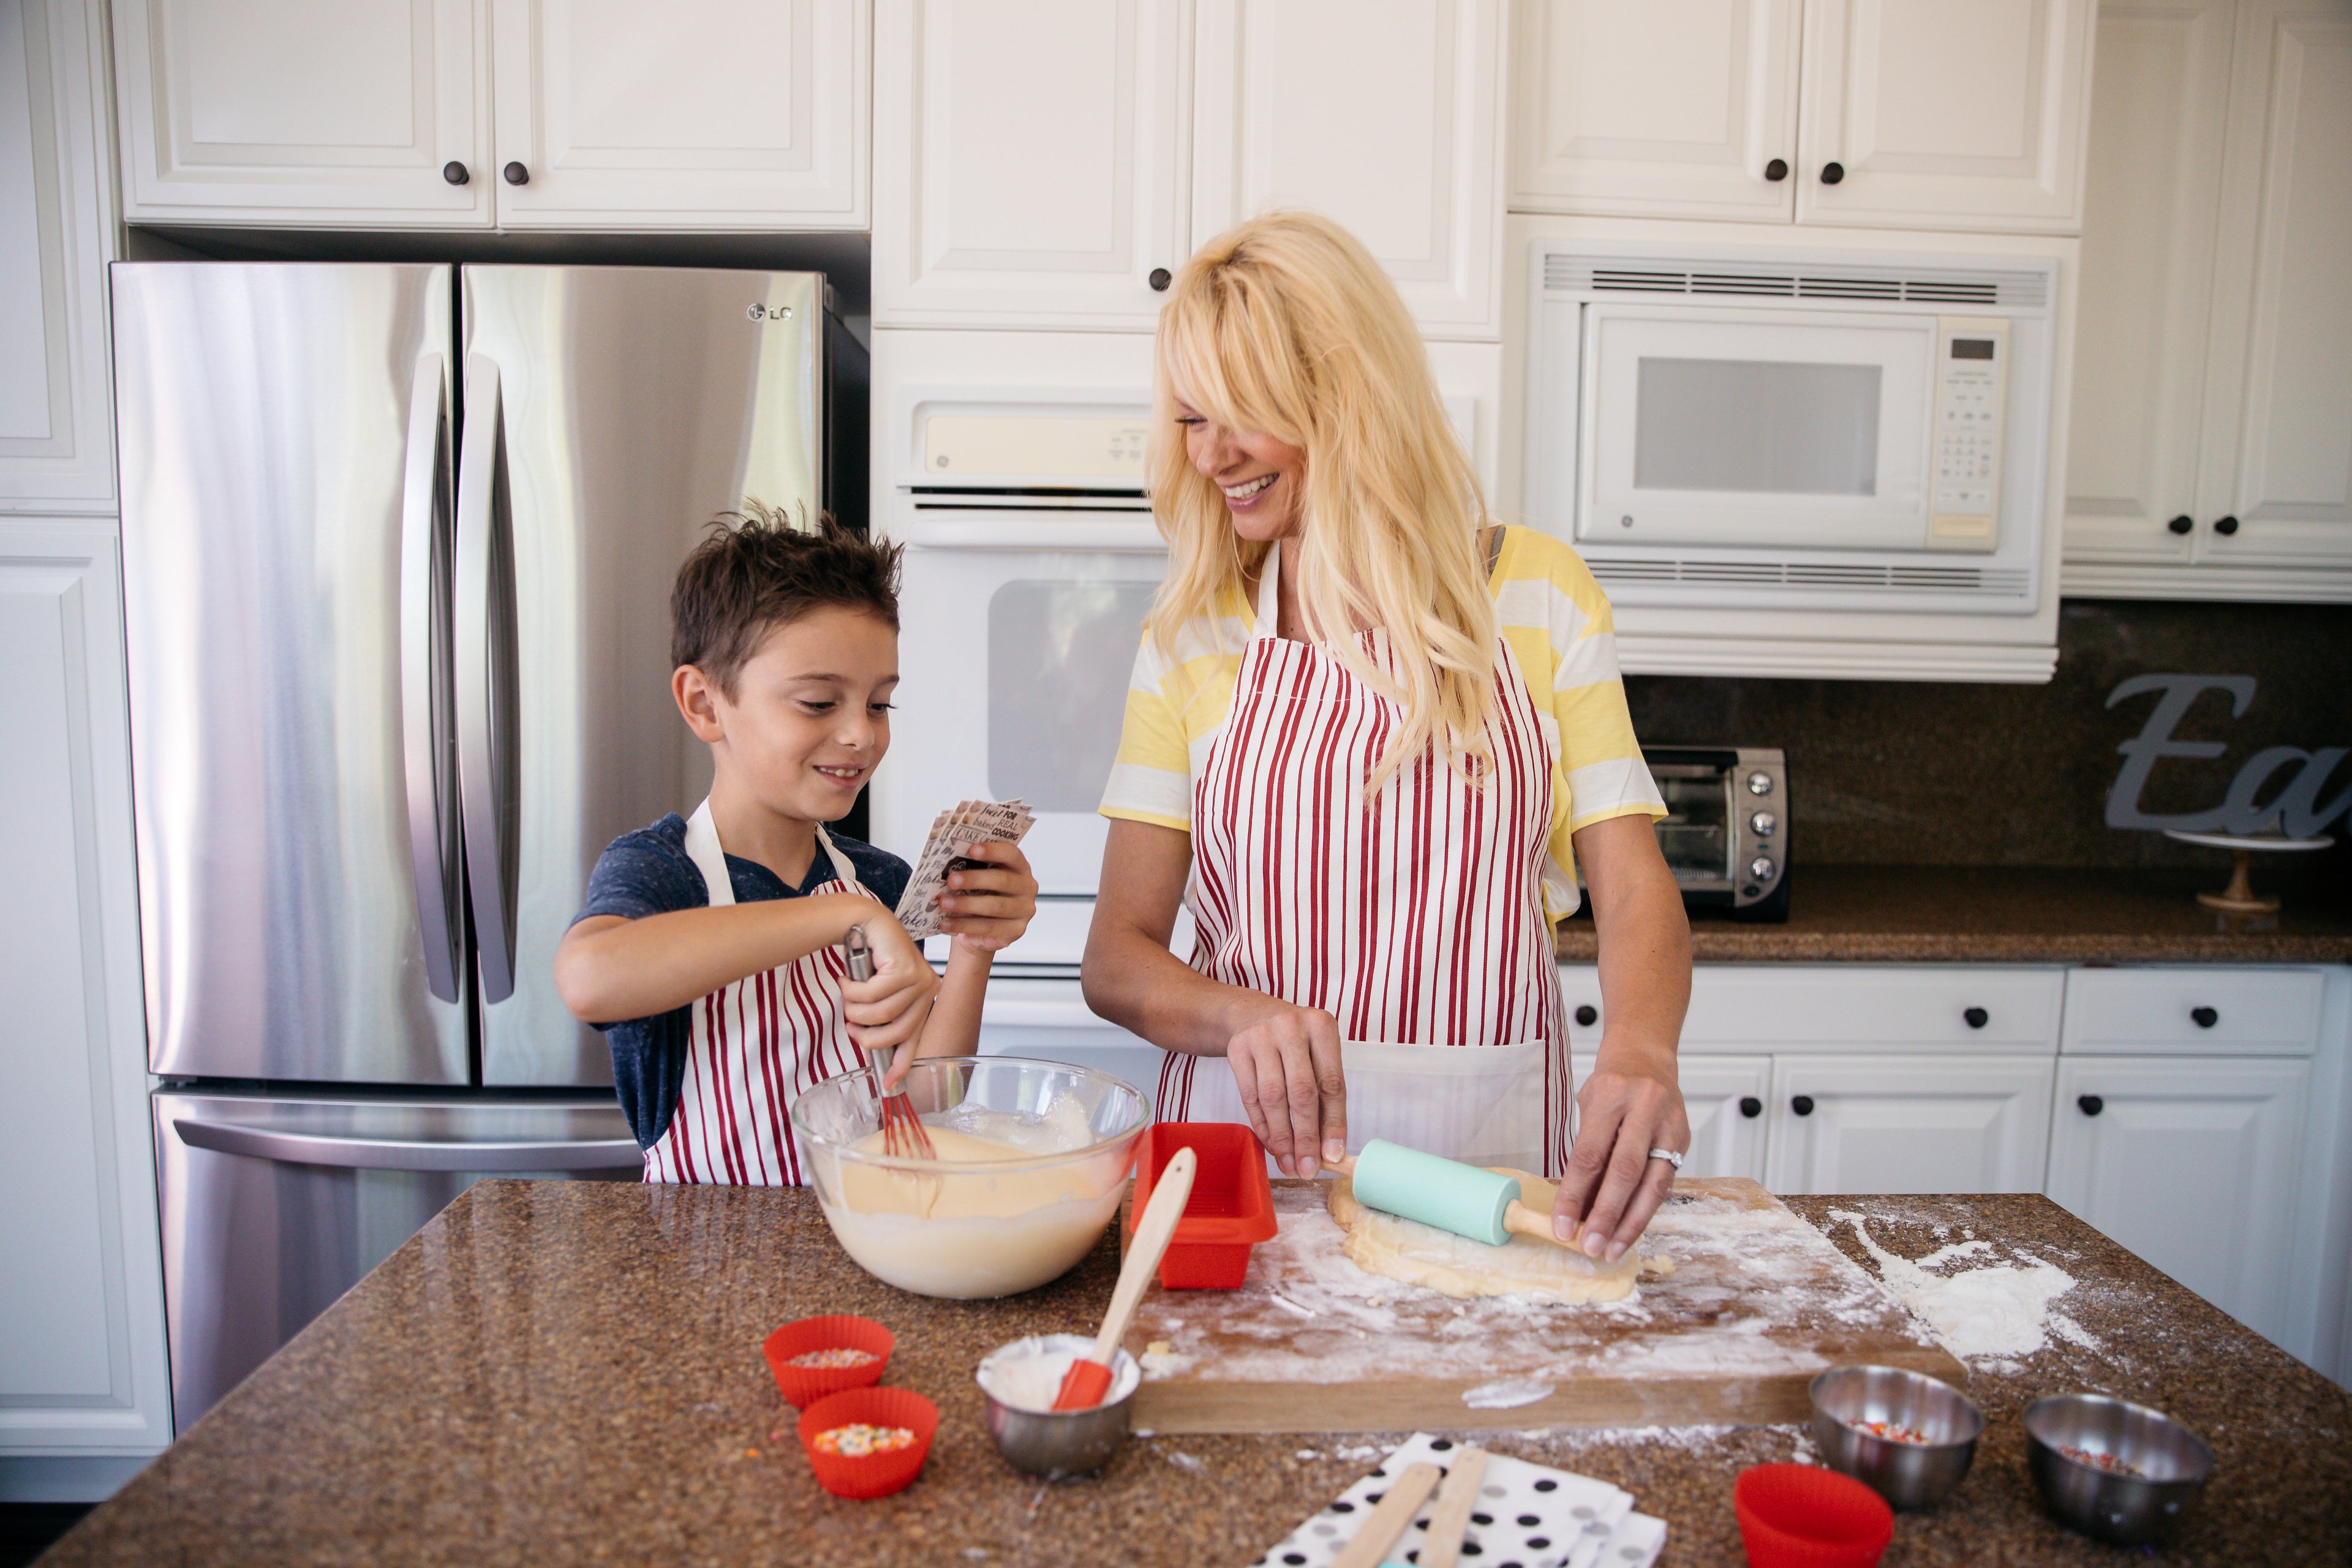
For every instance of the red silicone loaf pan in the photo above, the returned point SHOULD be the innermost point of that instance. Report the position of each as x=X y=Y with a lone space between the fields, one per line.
x=1231 y=1209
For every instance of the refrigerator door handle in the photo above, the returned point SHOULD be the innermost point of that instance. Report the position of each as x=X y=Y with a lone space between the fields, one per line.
x=489 y=787
x=406 y=1154
x=426 y=731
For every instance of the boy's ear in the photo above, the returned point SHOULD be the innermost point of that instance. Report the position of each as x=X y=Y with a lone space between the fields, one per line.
x=697 y=703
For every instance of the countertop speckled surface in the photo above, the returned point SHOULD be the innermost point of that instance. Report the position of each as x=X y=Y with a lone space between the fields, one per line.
x=569 y=1373
x=1947 y=914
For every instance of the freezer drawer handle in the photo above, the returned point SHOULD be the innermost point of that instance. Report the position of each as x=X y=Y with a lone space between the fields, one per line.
x=406 y=1154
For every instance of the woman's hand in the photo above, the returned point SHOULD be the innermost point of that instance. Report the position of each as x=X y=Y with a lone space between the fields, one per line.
x=989 y=908
x=888 y=1009
x=1286 y=1063
x=1628 y=1105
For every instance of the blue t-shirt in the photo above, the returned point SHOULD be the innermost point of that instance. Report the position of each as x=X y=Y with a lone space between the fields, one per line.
x=648 y=873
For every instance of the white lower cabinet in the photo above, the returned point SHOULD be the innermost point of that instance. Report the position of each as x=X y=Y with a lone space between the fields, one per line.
x=2190 y=1163
x=1726 y=1099
x=1913 y=1124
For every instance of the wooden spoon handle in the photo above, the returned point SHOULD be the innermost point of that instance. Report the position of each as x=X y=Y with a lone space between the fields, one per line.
x=1386 y=1523
x=1152 y=1232
x=1455 y=1500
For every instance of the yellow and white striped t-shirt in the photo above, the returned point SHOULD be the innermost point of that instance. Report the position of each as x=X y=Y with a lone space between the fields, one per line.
x=1556 y=620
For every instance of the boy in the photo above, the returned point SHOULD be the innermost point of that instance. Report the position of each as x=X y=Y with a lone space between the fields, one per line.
x=716 y=972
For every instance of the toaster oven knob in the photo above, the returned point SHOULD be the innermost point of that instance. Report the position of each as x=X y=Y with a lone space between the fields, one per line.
x=1760 y=868
x=1760 y=784
x=1763 y=822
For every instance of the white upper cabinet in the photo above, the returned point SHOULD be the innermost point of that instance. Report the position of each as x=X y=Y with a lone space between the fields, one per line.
x=1032 y=161
x=1924 y=114
x=57 y=234
x=1881 y=113
x=719 y=113
x=1666 y=108
x=1386 y=117
x=348 y=111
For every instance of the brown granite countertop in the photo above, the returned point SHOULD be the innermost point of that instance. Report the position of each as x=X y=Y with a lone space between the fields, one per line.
x=558 y=1372
x=1939 y=914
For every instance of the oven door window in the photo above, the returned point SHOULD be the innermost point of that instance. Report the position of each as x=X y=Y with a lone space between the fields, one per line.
x=1059 y=654
x=1695 y=834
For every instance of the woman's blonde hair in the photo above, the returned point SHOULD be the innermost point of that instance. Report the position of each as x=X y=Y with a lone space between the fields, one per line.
x=1287 y=326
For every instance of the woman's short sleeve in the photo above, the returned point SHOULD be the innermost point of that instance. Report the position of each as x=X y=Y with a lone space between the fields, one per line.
x=1151 y=778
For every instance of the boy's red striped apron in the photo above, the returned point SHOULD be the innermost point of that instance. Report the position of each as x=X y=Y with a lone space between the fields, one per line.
x=756 y=1045
x=1415 y=920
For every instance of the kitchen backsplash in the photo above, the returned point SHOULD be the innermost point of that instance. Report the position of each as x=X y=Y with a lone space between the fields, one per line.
x=1921 y=774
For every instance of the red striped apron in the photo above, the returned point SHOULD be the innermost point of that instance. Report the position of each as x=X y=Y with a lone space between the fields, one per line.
x=756 y=1045
x=1415 y=920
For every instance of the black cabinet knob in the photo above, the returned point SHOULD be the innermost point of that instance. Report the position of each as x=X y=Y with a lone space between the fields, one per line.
x=2204 y=1017
x=2182 y=523
x=1159 y=280
x=1750 y=1107
x=516 y=174
x=1587 y=1015
x=1802 y=1105
x=454 y=172
x=2091 y=1104
x=2225 y=526
x=1833 y=172
x=1976 y=1017
x=1777 y=169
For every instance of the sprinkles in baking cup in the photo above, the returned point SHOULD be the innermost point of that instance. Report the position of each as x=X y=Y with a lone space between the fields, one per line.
x=817 y=1356
x=868 y=1442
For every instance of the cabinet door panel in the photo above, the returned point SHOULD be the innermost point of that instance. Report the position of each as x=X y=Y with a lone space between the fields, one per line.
x=2191 y=1164
x=1031 y=162
x=330 y=112
x=1672 y=107
x=717 y=113
x=1940 y=116
x=2290 y=442
x=1385 y=117
x=1725 y=1140
x=2159 y=121
x=1925 y=1124
x=82 y=1365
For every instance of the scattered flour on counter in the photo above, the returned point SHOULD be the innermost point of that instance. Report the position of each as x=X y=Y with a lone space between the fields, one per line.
x=2001 y=1311
x=1506 y=1394
x=1186 y=1462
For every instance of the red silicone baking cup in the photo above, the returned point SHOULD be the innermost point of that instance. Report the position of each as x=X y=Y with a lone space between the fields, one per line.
x=869 y=1474
x=801 y=1384
x=1230 y=1210
x=1801 y=1516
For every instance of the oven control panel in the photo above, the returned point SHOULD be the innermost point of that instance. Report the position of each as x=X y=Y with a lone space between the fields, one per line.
x=1971 y=386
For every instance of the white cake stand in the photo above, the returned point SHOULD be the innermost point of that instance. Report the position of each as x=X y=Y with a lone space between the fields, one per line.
x=2240 y=897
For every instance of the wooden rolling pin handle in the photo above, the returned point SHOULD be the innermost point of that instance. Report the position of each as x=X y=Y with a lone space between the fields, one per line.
x=1521 y=1220
x=1387 y=1523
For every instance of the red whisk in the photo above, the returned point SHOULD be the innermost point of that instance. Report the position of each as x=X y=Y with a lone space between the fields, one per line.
x=904 y=1136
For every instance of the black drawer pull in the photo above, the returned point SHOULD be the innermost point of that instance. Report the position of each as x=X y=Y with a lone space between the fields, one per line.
x=1977 y=1017
x=1750 y=1107
x=1802 y=1105
x=2091 y=1104
x=1587 y=1015
x=1159 y=280
x=2204 y=1017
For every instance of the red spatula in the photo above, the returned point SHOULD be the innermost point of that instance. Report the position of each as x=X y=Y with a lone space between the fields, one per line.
x=1089 y=1379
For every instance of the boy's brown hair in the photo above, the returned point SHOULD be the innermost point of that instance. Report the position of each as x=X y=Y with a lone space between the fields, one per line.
x=757 y=571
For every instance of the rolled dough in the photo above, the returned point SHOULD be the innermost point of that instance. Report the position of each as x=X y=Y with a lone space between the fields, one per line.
x=1418 y=1254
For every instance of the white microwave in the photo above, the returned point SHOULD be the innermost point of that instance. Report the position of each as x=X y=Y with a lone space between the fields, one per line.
x=1864 y=432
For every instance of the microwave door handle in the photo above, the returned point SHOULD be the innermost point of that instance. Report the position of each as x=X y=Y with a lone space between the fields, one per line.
x=485 y=672
x=505 y=1154
x=425 y=734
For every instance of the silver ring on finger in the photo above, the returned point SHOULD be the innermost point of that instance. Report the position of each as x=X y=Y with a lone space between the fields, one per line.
x=1669 y=1156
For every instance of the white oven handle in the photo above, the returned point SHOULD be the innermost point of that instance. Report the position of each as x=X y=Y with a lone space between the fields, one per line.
x=1033 y=532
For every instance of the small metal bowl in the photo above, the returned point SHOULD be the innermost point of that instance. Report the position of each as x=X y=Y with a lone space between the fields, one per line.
x=1908 y=1475
x=1056 y=1443
x=2172 y=1465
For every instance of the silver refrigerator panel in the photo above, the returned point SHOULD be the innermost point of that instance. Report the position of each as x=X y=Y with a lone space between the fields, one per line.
x=273 y=1208
x=286 y=450
x=610 y=414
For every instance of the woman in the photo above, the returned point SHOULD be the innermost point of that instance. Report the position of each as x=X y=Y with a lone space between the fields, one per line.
x=1376 y=736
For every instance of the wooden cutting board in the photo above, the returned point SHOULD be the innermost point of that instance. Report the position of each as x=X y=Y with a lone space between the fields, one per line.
x=1758 y=1303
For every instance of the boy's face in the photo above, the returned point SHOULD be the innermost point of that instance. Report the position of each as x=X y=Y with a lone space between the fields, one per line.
x=810 y=714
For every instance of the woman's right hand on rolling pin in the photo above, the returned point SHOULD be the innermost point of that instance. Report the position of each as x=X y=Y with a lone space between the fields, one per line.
x=1286 y=1063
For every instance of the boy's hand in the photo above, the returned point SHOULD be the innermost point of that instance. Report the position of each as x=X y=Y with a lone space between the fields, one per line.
x=989 y=908
x=888 y=1009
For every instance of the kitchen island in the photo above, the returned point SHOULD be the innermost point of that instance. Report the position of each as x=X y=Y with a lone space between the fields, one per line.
x=570 y=1372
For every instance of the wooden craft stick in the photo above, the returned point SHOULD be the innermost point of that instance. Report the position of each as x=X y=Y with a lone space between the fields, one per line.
x=1455 y=1500
x=1386 y=1523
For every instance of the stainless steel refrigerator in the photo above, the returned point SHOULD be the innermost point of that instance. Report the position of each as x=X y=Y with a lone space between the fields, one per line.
x=398 y=542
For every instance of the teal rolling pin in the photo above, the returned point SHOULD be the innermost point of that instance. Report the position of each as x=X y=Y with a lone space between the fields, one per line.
x=1447 y=1193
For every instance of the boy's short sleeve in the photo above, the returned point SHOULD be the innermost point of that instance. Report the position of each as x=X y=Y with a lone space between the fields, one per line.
x=641 y=874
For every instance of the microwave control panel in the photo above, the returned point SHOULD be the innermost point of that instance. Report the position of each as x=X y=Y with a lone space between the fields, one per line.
x=1971 y=381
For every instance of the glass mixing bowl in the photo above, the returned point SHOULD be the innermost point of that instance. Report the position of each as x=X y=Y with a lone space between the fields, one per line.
x=981 y=1219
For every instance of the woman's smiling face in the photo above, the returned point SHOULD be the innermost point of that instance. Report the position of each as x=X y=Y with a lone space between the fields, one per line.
x=1262 y=476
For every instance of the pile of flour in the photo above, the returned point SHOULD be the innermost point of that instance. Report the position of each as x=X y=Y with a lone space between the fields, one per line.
x=1996 y=1312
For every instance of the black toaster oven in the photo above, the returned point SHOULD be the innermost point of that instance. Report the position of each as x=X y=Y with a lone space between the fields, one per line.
x=1726 y=832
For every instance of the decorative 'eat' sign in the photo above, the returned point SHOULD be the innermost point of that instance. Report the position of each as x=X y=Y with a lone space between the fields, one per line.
x=2296 y=808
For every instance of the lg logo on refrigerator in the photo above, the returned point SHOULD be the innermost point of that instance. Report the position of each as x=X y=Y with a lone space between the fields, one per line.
x=760 y=312
x=2295 y=806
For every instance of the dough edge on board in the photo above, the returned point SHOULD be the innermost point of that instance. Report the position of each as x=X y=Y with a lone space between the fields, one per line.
x=1416 y=1253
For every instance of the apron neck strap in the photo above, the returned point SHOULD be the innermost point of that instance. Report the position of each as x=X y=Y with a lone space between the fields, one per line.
x=703 y=848
x=1269 y=597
